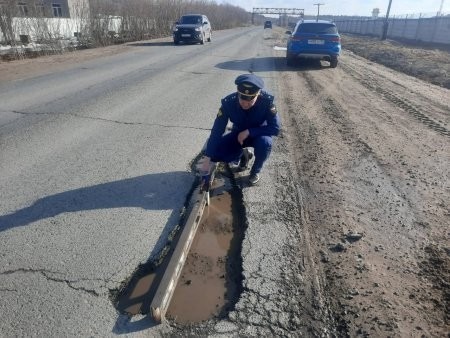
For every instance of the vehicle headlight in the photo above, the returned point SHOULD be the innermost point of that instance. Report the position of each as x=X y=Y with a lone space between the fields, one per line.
x=198 y=29
x=175 y=29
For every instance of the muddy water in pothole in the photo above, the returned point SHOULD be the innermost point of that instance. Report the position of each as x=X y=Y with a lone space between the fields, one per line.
x=211 y=278
x=201 y=290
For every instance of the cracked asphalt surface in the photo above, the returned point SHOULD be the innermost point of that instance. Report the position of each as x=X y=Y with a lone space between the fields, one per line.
x=347 y=232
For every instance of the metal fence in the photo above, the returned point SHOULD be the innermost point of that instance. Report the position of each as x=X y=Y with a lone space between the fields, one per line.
x=420 y=28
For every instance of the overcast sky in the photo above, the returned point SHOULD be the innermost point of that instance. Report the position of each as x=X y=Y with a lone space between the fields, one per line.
x=348 y=7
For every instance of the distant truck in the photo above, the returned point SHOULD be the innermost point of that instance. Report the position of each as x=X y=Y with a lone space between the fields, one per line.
x=192 y=28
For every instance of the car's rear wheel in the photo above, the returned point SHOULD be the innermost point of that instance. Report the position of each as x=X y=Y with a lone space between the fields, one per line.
x=290 y=60
x=333 y=62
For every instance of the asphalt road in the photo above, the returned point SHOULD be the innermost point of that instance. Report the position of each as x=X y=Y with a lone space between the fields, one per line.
x=94 y=171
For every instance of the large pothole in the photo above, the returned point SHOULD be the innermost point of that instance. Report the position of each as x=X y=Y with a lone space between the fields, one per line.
x=210 y=282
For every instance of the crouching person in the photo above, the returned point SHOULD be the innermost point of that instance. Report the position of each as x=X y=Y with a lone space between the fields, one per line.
x=255 y=120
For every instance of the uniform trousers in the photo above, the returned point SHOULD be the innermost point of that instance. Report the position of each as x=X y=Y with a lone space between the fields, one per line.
x=230 y=150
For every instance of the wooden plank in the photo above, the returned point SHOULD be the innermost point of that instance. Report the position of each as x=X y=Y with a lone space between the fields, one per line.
x=166 y=288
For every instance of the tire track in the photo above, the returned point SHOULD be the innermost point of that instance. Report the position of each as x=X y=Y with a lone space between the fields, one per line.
x=306 y=279
x=364 y=73
x=411 y=109
x=399 y=102
x=310 y=166
x=337 y=114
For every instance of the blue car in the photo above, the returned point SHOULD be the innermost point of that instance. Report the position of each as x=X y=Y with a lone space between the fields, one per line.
x=314 y=39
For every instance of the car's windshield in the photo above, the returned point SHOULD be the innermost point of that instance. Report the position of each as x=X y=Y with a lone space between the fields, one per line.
x=192 y=19
x=318 y=28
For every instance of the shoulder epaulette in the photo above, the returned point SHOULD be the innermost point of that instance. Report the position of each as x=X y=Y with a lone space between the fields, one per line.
x=229 y=98
x=267 y=96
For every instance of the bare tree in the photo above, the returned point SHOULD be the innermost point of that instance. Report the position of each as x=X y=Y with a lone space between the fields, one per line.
x=8 y=10
x=81 y=14
x=103 y=22
x=101 y=14
x=155 y=18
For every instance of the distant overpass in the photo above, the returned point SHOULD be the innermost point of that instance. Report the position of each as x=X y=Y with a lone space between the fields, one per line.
x=282 y=12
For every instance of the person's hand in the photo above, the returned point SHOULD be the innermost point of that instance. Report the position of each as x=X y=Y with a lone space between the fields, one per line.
x=242 y=136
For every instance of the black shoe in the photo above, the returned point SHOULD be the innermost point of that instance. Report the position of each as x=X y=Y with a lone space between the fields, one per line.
x=246 y=156
x=253 y=179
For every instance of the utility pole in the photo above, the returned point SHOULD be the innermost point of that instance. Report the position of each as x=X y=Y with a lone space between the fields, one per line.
x=318 y=10
x=440 y=8
x=386 y=22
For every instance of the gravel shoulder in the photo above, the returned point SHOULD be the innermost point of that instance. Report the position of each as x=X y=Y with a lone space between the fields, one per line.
x=371 y=158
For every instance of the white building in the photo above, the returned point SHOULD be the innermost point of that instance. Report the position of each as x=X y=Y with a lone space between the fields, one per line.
x=37 y=20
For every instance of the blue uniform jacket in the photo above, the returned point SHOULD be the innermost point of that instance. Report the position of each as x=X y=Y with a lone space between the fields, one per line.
x=261 y=120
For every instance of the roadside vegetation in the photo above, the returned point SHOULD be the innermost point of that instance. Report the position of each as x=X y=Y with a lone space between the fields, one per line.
x=31 y=29
x=426 y=61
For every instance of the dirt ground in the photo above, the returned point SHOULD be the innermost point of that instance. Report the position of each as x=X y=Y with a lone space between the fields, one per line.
x=372 y=157
x=26 y=68
x=427 y=62
x=370 y=178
